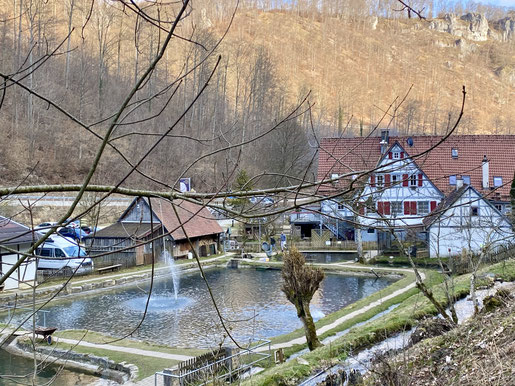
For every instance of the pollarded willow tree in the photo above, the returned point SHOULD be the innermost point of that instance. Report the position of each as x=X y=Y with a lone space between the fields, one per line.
x=301 y=281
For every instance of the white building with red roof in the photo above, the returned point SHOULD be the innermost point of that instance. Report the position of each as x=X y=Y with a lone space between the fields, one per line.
x=386 y=183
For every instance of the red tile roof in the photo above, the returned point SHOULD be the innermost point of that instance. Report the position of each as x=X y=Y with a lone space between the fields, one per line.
x=343 y=155
x=197 y=221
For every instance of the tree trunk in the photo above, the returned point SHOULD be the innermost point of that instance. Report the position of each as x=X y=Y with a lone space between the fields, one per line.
x=473 y=292
x=359 y=241
x=304 y=314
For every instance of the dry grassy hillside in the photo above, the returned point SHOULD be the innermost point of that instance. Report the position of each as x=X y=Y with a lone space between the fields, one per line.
x=355 y=71
x=354 y=66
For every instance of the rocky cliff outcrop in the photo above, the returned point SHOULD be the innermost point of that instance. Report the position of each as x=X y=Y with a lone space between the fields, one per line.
x=506 y=28
x=475 y=26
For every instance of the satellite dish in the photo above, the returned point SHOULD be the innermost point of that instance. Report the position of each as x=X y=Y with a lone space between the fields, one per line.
x=409 y=141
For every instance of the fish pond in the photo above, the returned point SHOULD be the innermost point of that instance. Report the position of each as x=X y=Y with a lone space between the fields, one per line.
x=180 y=312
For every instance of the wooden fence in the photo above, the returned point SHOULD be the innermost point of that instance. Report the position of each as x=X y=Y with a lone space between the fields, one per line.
x=204 y=367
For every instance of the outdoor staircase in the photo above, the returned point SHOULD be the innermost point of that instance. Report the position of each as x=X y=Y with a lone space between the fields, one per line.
x=334 y=229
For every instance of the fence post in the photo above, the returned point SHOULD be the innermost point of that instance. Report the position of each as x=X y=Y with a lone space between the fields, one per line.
x=167 y=380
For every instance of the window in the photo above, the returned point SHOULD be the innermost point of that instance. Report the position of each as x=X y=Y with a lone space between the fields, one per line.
x=396 y=155
x=498 y=207
x=395 y=179
x=454 y=152
x=474 y=211
x=341 y=206
x=46 y=252
x=59 y=253
x=380 y=180
x=333 y=176
x=75 y=251
x=497 y=182
x=396 y=207
x=370 y=230
x=452 y=180
x=413 y=181
x=466 y=180
x=423 y=207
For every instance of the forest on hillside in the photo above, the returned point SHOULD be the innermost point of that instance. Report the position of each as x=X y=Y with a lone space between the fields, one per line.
x=281 y=75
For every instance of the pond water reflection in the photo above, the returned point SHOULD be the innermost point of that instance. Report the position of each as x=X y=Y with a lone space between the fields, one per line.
x=251 y=301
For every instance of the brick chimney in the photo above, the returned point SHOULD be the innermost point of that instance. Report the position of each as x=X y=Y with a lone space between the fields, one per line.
x=385 y=138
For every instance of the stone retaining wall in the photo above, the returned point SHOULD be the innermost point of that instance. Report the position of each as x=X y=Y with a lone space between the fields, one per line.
x=87 y=363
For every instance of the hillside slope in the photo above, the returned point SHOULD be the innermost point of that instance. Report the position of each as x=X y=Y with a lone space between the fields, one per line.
x=356 y=69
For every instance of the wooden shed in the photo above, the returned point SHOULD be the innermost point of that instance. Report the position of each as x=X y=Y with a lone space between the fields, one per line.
x=128 y=241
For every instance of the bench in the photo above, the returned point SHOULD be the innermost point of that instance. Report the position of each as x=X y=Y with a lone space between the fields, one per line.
x=110 y=268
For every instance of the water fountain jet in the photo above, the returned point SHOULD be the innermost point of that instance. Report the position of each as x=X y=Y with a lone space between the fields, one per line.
x=170 y=261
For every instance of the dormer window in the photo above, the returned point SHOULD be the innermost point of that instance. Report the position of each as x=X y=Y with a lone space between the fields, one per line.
x=454 y=152
x=396 y=155
x=497 y=182
x=334 y=176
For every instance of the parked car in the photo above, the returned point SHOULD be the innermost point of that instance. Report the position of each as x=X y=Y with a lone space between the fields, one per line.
x=62 y=254
x=45 y=225
x=262 y=200
x=71 y=232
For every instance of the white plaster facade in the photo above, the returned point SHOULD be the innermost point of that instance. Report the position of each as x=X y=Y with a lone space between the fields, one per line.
x=469 y=223
x=25 y=274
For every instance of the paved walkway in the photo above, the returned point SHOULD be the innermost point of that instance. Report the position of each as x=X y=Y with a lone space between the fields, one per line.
x=128 y=350
x=353 y=314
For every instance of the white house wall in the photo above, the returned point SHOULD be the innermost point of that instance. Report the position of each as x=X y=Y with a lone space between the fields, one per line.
x=25 y=273
x=457 y=229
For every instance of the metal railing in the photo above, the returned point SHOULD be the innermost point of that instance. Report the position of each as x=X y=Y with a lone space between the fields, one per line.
x=227 y=368
x=14 y=308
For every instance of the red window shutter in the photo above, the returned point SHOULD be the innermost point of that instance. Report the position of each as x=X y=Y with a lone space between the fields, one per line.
x=386 y=207
x=433 y=205
x=390 y=155
x=402 y=155
x=413 y=207
x=362 y=210
x=404 y=180
x=406 y=207
x=420 y=177
x=387 y=180
x=380 y=207
x=373 y=180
